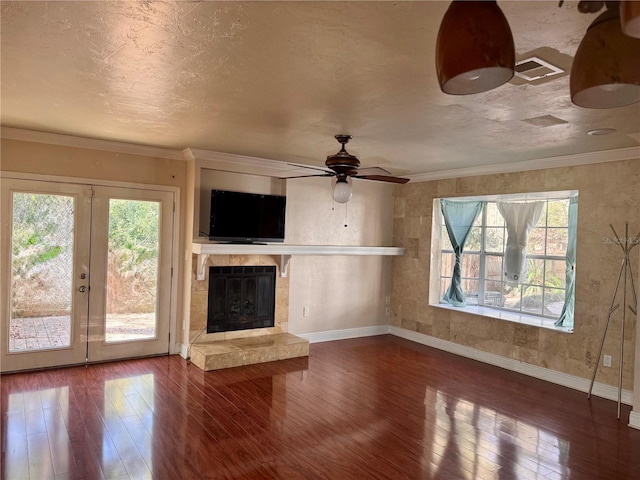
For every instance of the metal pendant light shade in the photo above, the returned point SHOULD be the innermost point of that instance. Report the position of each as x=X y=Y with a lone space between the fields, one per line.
x=474 y=50
x=630 y=17
x=606 y=71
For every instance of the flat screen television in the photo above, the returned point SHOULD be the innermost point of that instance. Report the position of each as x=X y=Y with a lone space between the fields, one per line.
x=240 y=217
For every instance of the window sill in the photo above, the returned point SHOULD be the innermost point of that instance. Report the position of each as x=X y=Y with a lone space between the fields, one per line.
x=515 y=317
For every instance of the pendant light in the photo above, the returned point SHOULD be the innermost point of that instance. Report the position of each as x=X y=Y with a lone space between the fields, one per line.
x=630 y=17
x=606 y=71
x=474 y=49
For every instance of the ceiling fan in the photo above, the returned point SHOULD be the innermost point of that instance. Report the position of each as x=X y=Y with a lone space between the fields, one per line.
x=345 y=166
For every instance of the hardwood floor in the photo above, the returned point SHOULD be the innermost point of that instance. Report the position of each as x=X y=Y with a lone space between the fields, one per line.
x=377 y=407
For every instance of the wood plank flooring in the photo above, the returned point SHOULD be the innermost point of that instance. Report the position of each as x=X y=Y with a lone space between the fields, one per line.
x=371 y=408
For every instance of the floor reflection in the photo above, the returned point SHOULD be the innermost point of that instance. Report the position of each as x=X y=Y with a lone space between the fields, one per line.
x=472 y=441
x=37 y=444
x=41 y=431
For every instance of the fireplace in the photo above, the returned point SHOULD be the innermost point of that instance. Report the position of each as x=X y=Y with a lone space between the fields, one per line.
x=241 y=298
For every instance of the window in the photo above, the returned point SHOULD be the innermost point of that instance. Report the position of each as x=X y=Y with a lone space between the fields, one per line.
x=539 y=294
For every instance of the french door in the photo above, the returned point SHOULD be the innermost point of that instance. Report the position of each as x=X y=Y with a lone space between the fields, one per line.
x=86 y=273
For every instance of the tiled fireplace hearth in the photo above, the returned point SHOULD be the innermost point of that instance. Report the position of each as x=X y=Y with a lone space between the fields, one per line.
x=229 y=328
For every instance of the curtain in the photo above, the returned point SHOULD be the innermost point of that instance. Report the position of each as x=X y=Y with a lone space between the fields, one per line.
x=520 y=219
x=566 y=316
x=458 y=218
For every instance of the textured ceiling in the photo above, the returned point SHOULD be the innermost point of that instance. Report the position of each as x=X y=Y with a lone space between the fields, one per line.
x=277 y=80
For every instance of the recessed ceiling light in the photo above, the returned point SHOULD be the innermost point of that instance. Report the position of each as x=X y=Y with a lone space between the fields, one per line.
x=601 y=131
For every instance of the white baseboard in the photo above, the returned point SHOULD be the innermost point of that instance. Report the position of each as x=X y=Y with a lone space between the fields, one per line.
x=559 y=378
x=331 y=335
x=182 y=350
x=634 y=419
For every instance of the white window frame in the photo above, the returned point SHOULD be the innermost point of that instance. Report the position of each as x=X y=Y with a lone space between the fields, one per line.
x=436 y=274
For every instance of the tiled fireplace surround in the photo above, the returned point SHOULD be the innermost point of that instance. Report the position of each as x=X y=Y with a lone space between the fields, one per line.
x=212 y=351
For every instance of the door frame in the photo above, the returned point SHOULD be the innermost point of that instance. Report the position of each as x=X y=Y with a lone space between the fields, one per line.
x=174 y=346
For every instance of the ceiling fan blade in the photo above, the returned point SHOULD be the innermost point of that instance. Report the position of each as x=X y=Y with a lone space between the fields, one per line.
x=373 y=171
x=311 y=168
x=383 y=178
x=308 y=176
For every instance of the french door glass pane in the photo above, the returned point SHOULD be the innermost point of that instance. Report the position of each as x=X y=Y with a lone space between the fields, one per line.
x=132 y=270
x=41 y=271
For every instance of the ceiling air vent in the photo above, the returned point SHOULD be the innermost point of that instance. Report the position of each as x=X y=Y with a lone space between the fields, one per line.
x=534 y=68
x=542 y=65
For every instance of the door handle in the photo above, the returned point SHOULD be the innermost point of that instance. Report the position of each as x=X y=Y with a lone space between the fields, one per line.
x=82 y=289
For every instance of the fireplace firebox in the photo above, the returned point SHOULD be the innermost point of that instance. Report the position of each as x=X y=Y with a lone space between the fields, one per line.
x=241 y=298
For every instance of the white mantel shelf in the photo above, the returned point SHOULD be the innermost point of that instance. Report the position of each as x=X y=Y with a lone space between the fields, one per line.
x=203 y=250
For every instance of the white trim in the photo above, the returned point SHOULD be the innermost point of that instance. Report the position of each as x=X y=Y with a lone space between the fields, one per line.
x=344 y=334
x=176 y=279
x=564 y=379
x=183 y=350
x=634 y=419
x=629 y=153
x=90 y=143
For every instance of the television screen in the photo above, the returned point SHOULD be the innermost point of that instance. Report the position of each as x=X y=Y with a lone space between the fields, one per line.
x=246 y=217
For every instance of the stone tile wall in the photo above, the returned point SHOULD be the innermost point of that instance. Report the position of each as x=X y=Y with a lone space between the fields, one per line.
x=609 y=193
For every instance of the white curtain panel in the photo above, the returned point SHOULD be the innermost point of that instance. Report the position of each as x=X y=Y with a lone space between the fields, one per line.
x=520 y=219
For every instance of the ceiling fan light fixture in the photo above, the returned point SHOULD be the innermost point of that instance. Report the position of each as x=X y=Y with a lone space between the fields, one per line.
x=474 y=50
x=605 y=71
x=342 y=191
x=630 y=17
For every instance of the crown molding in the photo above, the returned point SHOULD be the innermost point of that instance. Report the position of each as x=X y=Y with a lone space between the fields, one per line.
x=629 y=153
x=279 y=169
x=89 y=143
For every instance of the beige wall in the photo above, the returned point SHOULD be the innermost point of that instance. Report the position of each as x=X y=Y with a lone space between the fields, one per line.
x=341 y=292
x=608 y=194
x=45 y=159
x=62 y=161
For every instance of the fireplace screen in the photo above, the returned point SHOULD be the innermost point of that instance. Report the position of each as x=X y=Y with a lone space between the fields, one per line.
x=241 y=297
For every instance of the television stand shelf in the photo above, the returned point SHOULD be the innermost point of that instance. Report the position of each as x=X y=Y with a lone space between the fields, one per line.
x=203 y=250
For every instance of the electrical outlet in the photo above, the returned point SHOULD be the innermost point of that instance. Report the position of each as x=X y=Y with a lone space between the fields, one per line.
x=387 y=311
x=387 y=300
x=606 y=361
x=305 y=311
